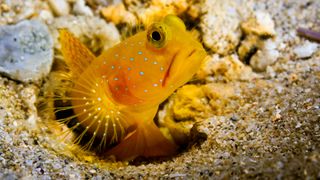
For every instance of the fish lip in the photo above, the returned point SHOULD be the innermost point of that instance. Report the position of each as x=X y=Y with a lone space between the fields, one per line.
x=167 y=73
x=192 y=52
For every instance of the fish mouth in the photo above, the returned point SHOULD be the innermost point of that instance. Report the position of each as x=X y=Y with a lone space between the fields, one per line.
x=191 y=53
x=167 y=74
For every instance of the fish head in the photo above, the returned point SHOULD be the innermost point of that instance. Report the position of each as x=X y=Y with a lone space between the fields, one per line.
x=150 y=65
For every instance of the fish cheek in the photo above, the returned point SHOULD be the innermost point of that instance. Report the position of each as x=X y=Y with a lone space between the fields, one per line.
x=120 y=92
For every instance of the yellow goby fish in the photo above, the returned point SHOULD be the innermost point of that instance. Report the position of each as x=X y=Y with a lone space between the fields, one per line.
x=116 y=95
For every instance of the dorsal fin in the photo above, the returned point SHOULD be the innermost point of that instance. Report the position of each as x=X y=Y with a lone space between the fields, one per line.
x=77 y=55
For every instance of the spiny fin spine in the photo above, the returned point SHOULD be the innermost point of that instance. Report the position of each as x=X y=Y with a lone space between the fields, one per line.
x=76 y=54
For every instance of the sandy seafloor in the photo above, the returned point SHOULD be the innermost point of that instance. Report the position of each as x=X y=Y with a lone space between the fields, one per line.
x=271 y=130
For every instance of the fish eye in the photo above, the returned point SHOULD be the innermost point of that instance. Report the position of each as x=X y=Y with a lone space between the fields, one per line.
x=157 y=35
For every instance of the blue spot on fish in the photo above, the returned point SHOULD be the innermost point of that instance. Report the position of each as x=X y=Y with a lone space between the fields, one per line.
x=140 y=52
x=141 y=73
x=131 y=59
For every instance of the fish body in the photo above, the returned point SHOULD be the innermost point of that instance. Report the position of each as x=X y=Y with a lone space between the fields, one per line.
x=116 y=95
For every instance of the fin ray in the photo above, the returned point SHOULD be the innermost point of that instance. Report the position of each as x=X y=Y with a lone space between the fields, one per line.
x=76 y=54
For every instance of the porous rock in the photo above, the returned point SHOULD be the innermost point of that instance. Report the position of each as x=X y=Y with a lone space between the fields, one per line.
x=93 y=31
x=228 y=68
x=190 y=104
x=26 y=50
x=259 y=47
x=265 y=56
x=219 y=95
x=134 y=12
x=179 y=115
x=260 y=24
x=220 y=24
x=16 y=10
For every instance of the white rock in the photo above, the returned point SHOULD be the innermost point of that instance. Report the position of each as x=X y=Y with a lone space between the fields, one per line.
x=260 y=24
x=59 y=7
x=94 y=29
x=45 y=15
x=80 y=8
x=220 y=23
x=305 y=50
x=267 y=55
x=265 y=22
x=26 y=50
x=17 y=10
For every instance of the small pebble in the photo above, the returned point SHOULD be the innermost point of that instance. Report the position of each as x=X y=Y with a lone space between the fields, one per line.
x=92 y=171
x=59 y=7
x=305 y=50
x=80 y=8
x=234 y=118
x=29 y=162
